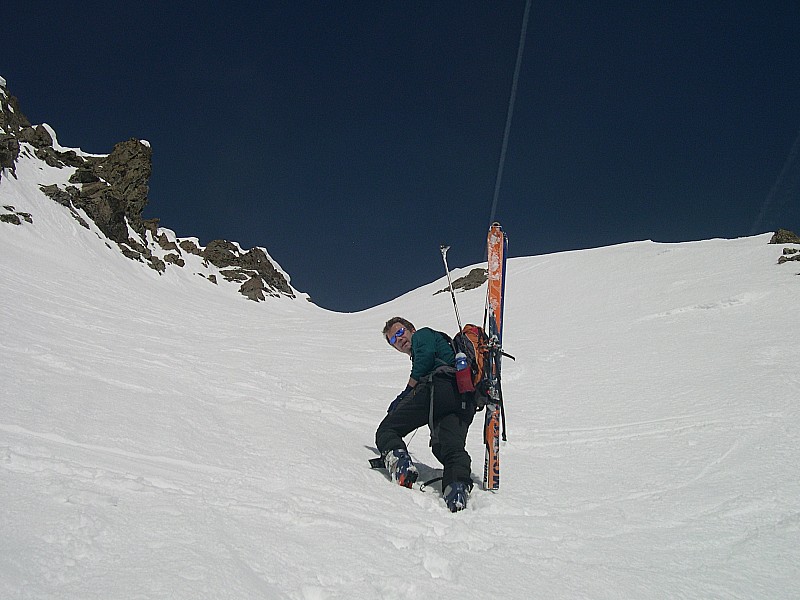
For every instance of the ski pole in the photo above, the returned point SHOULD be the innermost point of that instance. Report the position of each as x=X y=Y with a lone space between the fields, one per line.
x=444 y=250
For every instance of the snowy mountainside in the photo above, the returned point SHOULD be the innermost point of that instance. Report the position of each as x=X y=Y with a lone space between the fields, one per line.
x=106 y=194
x=160 y=439
x=54 y=224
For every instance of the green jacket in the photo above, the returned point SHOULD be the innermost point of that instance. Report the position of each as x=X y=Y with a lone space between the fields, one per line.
x=429 y=349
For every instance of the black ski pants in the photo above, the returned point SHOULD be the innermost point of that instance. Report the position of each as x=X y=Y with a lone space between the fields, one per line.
x=451 y=421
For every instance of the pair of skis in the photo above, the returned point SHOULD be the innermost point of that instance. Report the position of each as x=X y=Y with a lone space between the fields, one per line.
x=496 y=246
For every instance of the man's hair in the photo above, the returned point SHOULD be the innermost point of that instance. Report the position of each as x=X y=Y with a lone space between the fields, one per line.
x=404 y=322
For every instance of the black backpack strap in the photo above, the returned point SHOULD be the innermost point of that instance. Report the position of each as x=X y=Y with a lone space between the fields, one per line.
x=430 y=415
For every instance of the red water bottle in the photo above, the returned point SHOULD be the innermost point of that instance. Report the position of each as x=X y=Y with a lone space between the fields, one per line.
x=463 y=374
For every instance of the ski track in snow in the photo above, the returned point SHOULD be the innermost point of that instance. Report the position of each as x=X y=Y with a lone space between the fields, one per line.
x=711 y=305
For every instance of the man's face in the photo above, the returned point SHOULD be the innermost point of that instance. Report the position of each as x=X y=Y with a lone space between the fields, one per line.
x=401 y=336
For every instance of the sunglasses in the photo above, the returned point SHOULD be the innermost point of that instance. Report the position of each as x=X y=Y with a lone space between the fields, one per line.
x=397 y=334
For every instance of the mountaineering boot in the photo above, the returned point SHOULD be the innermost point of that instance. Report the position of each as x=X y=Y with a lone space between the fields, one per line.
x=455 y=496
x=401 y=469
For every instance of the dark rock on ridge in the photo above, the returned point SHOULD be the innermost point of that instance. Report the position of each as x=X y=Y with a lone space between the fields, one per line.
x=784 y=236
x=112 y=191
x=475 y=278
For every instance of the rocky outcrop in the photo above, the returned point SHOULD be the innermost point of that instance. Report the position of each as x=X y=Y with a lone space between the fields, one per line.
x=9 y=150
x=784 y=236
x=16 y=130
x=12 y=122
x=9 y=214
x=788 y=255
x=253 y=269
x=475 y=278
x=111 y=190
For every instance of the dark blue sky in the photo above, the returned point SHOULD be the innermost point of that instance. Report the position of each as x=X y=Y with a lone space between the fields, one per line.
x=352 y=138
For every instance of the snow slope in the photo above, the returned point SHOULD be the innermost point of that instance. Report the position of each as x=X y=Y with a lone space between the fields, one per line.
x=159 y=439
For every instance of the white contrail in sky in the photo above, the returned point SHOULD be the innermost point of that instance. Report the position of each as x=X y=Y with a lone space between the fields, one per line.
x=791 y=161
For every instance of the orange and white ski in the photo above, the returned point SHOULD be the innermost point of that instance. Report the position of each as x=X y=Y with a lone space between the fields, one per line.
x=496 y=246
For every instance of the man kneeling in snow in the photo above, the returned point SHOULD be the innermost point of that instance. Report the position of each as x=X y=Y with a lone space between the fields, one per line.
x=431 y=397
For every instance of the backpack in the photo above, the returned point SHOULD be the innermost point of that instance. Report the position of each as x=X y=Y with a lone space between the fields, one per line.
x=474 y=343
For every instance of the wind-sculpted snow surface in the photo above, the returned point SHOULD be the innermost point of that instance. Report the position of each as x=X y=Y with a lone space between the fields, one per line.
x=168 y=441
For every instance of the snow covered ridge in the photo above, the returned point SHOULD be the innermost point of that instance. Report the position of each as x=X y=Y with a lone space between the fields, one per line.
x=109 y=192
